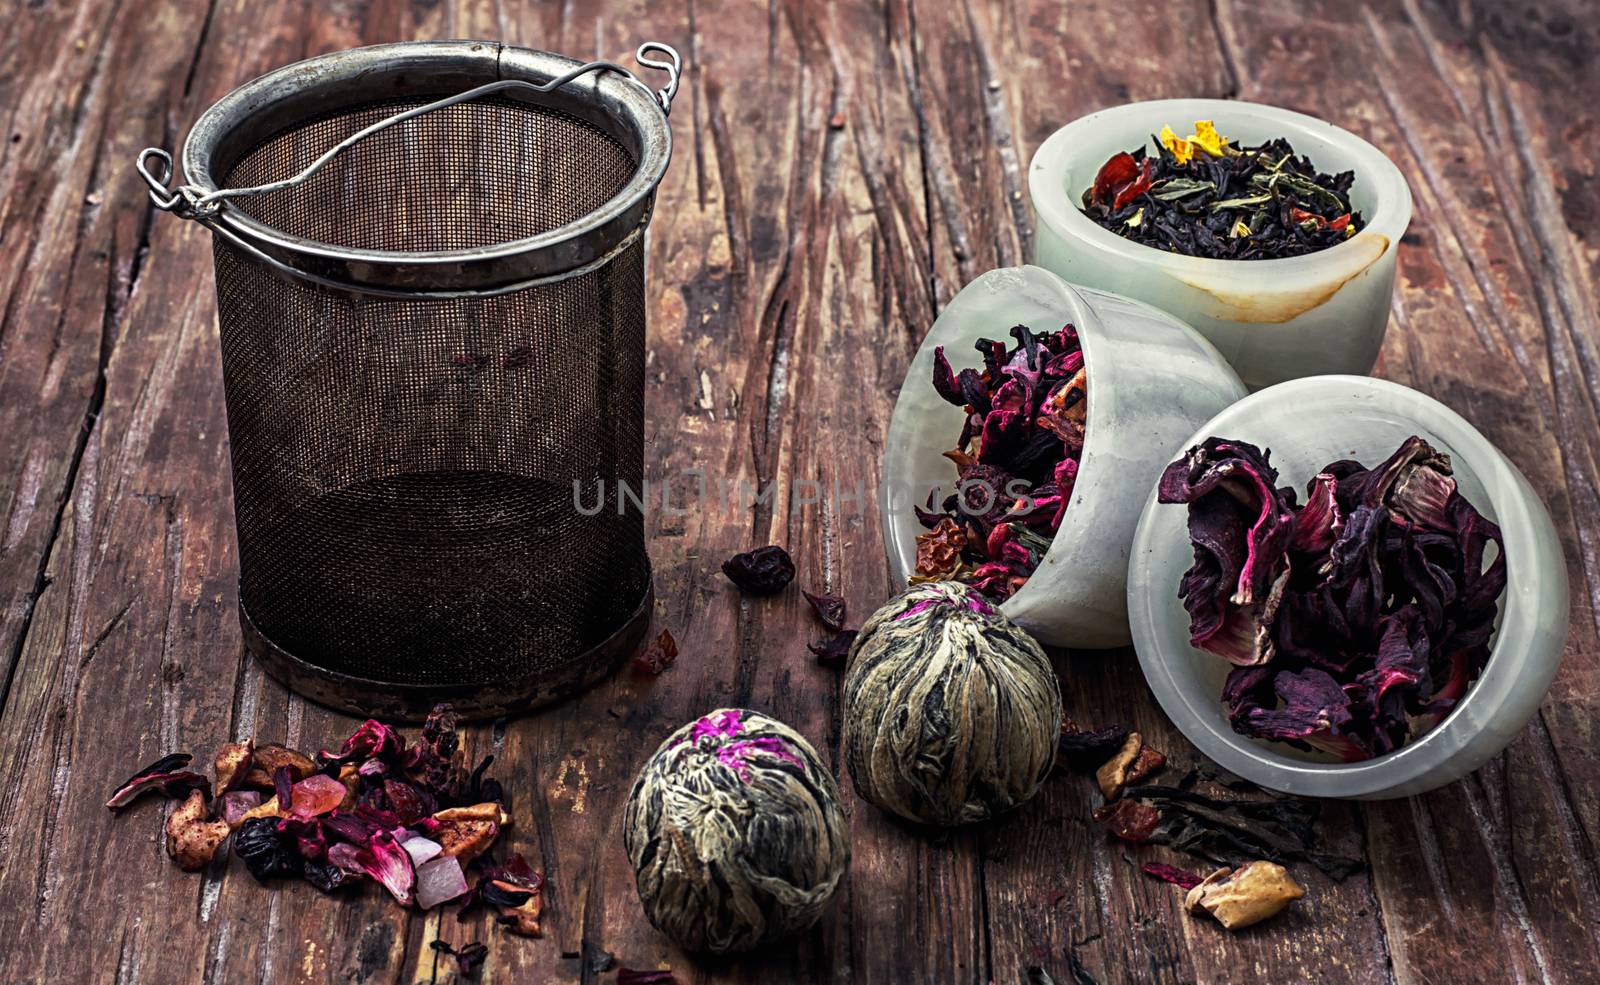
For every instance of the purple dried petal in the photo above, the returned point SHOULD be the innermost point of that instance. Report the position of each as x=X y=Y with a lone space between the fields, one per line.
x=1172 y=874
x=167 y=775
x=1317 y=524
x=830 y=609
x=944 y=379
x=834 y=651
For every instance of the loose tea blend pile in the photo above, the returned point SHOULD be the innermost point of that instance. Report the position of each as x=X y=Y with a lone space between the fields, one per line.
x=951 y=712
x=735 y=833
x=1357 y=621
x=1016 y=460
x=407 y=816
x=1201 y=196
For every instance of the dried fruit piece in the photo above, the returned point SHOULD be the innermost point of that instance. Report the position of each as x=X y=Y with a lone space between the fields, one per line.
x=469 y=957
x=517 y=894
x=1148 y=762
x=1172 y=874
x=439 y=881
x=658 y=656
x=628 y=976
x=763 y=571
x=266 y=853
x=835 y=650
x=1114 y=772
x=466 y=839
x=231 y=763
x=830 y=609
x=317 y=794
x=1128 y=819
x=192 y=838
x=1247 y=895
x=237 y=803
x=939 y=550
x=167 y=775
x=270 y=758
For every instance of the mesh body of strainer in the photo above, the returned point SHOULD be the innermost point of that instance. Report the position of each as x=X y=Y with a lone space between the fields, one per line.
x=433 y=343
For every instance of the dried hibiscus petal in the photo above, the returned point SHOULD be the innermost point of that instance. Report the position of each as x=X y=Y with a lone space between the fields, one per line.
x=658 y=656
x=763 y=571
x=1128 y=819
x=166 y=775
x=1172 y=874
x=830 y=609
x=628 y=976
x=469 y=957
x=835 y=650
x=517 y=894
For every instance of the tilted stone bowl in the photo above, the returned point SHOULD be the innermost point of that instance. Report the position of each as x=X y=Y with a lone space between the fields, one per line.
x=1151 y=381
x=1307 y=424
x=1274 y=320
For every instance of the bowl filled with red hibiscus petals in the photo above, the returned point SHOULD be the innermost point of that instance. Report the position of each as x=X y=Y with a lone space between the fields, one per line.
x=1340 y=588
x=1031 y=423
x=407 y=816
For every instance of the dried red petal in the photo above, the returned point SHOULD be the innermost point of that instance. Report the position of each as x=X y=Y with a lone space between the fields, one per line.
x=1130 y=820
x=830 y=609
x=1118 y=171
x=1172 y=874
x=166 y=775
x=658 y=656
x=834 y=651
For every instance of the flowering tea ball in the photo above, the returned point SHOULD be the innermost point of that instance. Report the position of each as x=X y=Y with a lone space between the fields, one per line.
x=735 y=833
x=951 y=712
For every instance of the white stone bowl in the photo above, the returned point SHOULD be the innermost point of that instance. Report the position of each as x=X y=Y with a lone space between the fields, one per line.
x=1152 y=381
x=1274 y=320
x=1306 y=424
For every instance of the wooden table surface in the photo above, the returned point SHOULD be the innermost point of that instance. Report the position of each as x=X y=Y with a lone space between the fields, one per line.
x=841 y=170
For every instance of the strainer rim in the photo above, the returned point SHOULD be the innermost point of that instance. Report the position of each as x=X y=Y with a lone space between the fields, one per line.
x=591 y=235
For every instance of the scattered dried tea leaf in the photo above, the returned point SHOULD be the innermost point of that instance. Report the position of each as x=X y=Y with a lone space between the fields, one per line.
x=1113 y=774
x=1130 y=820
x=1235 y=831
x=1083 y=752
x=830 y=609
x=469 y=957
x=762 y=571
x=658 y=656
x=166 y=775
x=192 y=837
x=1172 y=874
x=835 y=650
x=1247 y=895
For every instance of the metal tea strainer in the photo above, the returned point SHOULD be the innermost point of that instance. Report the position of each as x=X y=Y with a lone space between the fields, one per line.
x=430 y=289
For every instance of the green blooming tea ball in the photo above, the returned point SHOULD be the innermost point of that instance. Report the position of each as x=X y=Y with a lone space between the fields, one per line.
x=735 y=833
x=951 y=712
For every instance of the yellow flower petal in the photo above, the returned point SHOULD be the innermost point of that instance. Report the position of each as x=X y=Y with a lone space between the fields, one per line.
x=1136 y=218
x=1240 y=229
x=1206 y=136
x=1180 y=149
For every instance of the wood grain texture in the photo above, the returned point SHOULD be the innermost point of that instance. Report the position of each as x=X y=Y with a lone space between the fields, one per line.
x=841 y=169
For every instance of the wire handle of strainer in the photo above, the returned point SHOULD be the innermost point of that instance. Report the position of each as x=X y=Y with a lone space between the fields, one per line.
x=189 y=202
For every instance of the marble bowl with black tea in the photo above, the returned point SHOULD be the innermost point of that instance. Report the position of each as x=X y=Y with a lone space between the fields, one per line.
x=1151 y=381
x=1273 y=320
